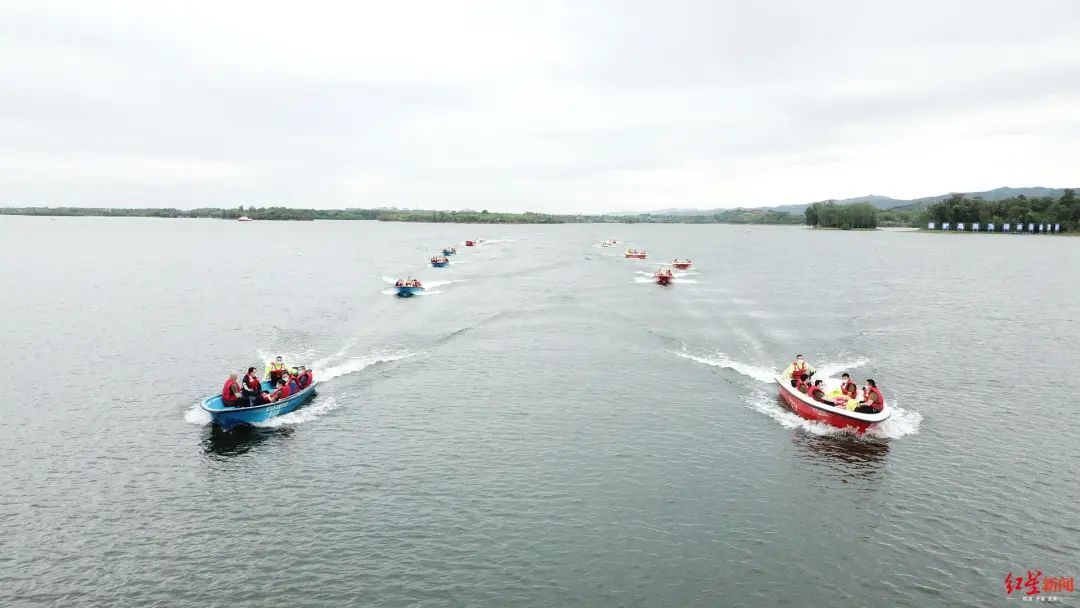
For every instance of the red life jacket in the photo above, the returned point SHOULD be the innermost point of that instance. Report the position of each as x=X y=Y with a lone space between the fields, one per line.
x=879 y=403
x=848 y=389
x=305 y=379
x=252 y=383
x=816 y=389
x=798 y=369
x=228 y=393
x=801 y=386
x=284 y=391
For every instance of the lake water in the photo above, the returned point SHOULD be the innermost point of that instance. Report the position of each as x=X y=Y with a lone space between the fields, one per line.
x=545 y=427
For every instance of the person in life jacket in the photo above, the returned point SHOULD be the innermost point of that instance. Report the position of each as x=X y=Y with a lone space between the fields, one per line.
x=817 y=391
x=294 y=386
x=802 y=385
x=252 y=387
x=798 y=367
x=231 y=395
x=282 y=392
x=847 y=387
x=274 y=370
x=305 y=377
x=873 y=401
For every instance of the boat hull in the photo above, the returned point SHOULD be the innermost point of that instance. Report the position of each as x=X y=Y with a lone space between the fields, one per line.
x=663 y=280
x=408 y=292
x=682 y=265
x=448 y=252
x=833 y=416
x=228 y=417
x=470 y=243
x=440 y=264
x=636 y=256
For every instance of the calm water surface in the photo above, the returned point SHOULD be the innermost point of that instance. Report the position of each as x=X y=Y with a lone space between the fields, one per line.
x=544 y=428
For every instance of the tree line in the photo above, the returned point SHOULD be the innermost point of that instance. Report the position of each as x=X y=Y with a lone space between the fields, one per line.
x=828 y=214
x=728 y=216
x=1019 y=209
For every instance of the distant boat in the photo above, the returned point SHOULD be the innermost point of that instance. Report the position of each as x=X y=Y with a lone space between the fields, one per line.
x=244 y=218
x=406 y=288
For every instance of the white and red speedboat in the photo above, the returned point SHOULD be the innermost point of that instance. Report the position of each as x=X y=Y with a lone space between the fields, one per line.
x=835 y=415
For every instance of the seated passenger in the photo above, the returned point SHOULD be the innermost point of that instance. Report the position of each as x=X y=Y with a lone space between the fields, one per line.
x=847 y=387
x=873 y=401
x=231 y=395
x=803 y=386
x=817 y=392
x=282 y=392
x=304 y=379
x=294 y=386
x=252 y=385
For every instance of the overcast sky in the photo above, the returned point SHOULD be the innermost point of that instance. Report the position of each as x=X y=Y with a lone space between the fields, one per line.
x=579 y=106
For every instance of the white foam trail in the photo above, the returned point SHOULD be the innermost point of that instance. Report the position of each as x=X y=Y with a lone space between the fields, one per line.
x=901 y=423
x=305 y=413
x=759 y=373
x=324 y=371
x=828 y=370
x=434 y=284
x=197 y=415
x=767 y=404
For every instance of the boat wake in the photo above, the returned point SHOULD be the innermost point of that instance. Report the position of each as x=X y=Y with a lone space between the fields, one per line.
x=719 y=359
x=435 y=284
x=329 y=368
x=306 y=413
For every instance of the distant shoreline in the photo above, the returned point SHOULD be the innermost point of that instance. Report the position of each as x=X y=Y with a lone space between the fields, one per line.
x=733 y=216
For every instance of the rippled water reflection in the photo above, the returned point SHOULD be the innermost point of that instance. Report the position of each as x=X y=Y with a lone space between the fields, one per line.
x=545 y=428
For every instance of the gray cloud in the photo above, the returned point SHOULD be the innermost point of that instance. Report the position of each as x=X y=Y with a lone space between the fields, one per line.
x=551 y=106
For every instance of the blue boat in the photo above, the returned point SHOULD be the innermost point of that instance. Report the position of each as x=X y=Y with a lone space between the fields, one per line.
x=408 y=291
x=228 y=417
x=440 y=262
x=449 y=251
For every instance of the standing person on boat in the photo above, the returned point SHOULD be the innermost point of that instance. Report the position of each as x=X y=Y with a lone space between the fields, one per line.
x=799 y=367
x=274 y=370
x=873 y=401
x=231 y=394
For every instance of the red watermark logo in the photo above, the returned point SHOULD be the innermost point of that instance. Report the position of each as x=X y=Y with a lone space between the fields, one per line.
x=1035 y=586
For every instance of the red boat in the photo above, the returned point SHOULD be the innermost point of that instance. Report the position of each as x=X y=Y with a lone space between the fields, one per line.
x=638 y=255
x=664 y=277
x=833 y=415
x=681 y=265
x=470 y=243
